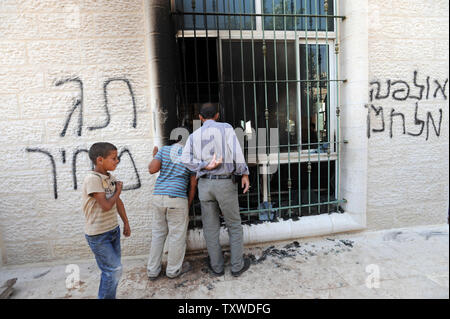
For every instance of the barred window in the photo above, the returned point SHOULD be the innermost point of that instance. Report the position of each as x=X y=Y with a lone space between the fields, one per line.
x=270 y=64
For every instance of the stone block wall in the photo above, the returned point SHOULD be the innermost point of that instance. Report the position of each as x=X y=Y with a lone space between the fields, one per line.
x=408 y=155
x=64 y=66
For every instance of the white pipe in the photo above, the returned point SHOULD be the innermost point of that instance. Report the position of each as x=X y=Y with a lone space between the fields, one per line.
x=307 y=226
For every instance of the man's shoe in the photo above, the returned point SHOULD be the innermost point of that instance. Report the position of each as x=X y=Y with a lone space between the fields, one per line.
x=153 y=278
x=246 y=267
x=185 y=267
x=212 y=270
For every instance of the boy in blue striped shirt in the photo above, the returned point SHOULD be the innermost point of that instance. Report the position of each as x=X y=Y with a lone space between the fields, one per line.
x=170 y=204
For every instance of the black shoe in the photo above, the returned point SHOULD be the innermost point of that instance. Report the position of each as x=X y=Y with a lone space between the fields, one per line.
x=153 y=278
x=185 y=267
x=212 y=270
x=246 y=267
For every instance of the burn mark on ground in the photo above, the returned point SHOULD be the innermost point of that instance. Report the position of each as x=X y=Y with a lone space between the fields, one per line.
x=348 y=243
x=392 y=235
x=41 y=274
x=200 y=278
x=295 y=249
x=428 y=234
x=181 y=284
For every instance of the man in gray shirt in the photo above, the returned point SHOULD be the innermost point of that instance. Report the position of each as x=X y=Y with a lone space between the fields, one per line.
x=214 y=153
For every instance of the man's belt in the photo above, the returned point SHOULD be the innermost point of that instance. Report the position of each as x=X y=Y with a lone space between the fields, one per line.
x=216 y=176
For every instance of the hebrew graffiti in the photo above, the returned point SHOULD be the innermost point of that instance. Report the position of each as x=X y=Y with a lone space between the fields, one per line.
x=76 y=152
x=379 y=114
x=378 y=111
x=138 y=183
x=78 y=105
x=418 y=122
x=429 y=117
x=52 y=162
x=105 y=96
x=400 y=91
x=74 y=166
x=121 y=153
x=402 y=116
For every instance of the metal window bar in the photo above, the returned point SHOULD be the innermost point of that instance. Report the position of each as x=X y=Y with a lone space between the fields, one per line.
x=318 y=96
x=288 y=119
x=277 y=106
x=243 y=86
x=244 y=16
x=299 y=108
x=256 y=110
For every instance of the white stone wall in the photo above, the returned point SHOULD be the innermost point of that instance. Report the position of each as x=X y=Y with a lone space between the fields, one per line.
x=407 y=174
x=354 y=69
x=54 y=55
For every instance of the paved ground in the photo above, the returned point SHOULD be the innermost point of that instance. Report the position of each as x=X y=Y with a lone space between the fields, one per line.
x=397 y=263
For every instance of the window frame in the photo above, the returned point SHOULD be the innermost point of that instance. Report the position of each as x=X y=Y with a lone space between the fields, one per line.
x=319 y=38
x=310 y=37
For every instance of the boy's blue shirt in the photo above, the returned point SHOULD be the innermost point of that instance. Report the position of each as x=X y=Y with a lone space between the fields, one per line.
x=173 y=179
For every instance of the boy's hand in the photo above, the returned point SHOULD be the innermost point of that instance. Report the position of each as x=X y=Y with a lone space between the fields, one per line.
x=119 y=186
x=155 y=151
x=126 y=230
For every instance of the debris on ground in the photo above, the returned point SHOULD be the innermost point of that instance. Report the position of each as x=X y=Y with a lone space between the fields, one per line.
x=181 y=284
x=271 y=267
x=428 y=234
x=346 y=242
x=41 y=274
x=293 y=244
x=7 y=289
x=392 y=235
x=294 y=249
x=281 y=266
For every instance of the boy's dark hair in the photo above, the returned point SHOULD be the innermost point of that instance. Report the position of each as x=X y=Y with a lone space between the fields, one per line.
x=100 y=149
x=208 y=110
x=178 y=138
x=171 y=142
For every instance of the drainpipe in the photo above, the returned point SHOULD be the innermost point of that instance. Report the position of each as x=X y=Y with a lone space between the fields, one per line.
x=162 y=68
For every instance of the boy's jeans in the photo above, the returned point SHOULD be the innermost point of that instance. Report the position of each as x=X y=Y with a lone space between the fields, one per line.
x=170 y=219
x=106 y=248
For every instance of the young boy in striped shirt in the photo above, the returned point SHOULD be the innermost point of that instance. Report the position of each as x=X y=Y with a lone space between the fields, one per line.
x=170 y=204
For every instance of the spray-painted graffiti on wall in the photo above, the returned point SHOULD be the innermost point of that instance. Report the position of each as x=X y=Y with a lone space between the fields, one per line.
x=78 y=106
x=400 y=90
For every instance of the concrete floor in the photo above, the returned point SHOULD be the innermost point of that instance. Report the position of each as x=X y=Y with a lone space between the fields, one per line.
x=396 y=263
